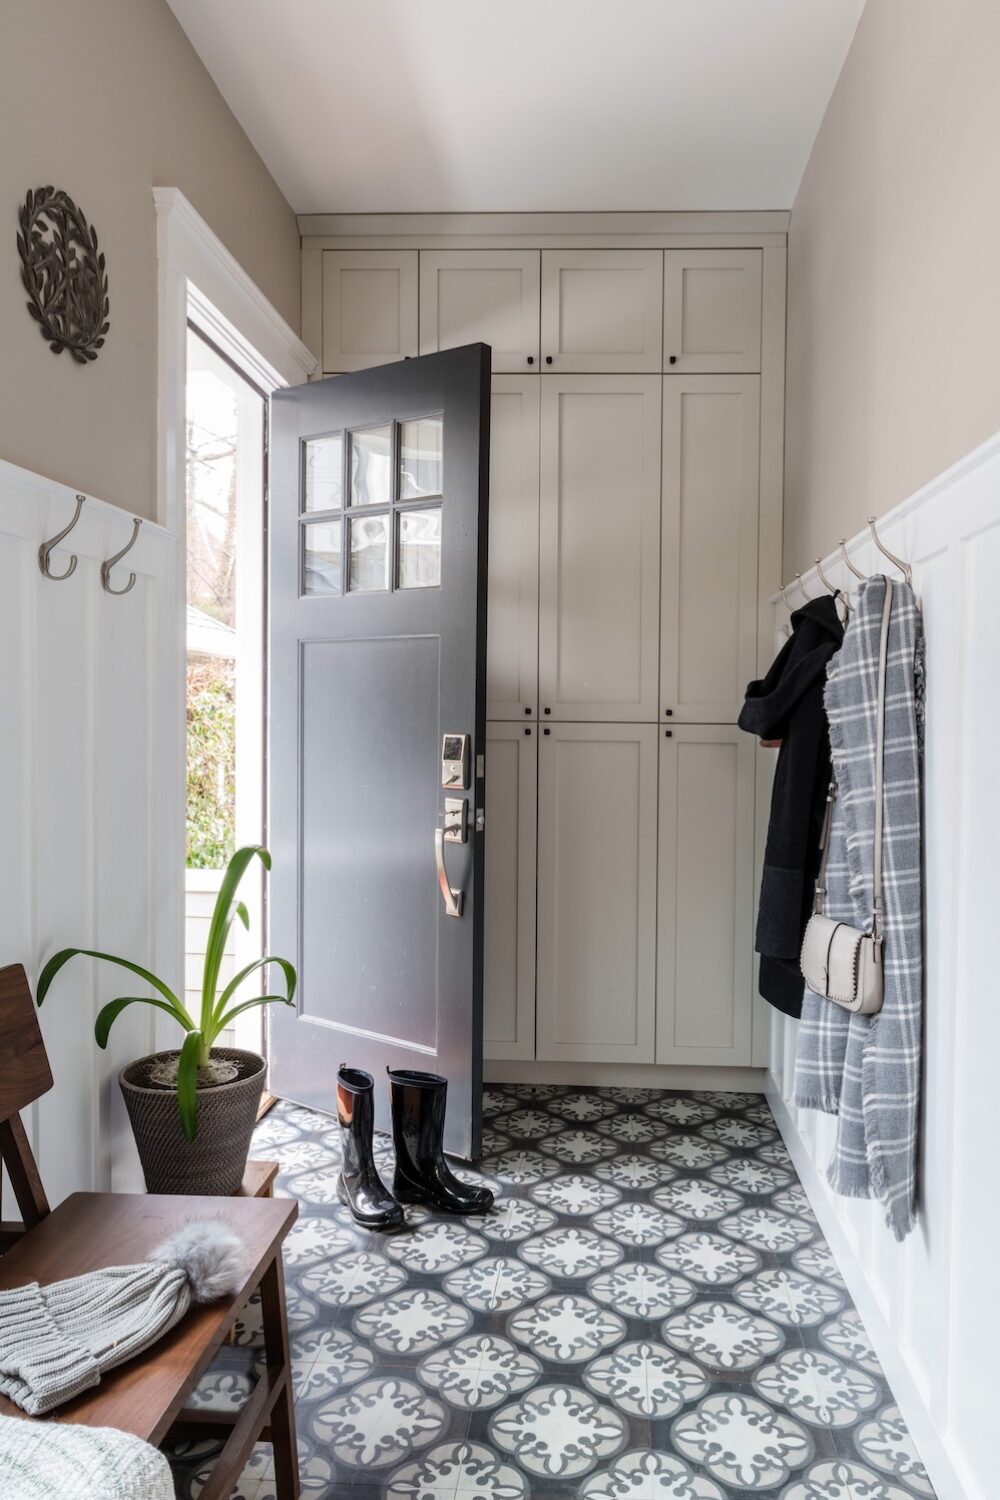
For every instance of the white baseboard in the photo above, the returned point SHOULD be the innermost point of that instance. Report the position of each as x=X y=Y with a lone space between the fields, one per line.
x=622 y=1075
x=930 y=1444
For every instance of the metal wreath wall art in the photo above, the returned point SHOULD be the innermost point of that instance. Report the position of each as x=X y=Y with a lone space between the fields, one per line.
x=63 y=273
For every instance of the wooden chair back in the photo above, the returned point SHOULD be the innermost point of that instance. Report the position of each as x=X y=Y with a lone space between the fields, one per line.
x=25 y=1076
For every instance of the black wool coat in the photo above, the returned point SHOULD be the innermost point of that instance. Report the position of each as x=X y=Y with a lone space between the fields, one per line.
x=787 y=705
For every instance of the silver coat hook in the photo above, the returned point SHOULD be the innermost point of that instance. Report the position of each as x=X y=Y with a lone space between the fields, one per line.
x=802 y=588
x=903 y=567
x=45 y=550
x=107 y=566
x=838 y=593
x=850 y=566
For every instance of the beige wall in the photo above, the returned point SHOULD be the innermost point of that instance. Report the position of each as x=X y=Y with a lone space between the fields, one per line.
x=107 y=99
x=894 y=270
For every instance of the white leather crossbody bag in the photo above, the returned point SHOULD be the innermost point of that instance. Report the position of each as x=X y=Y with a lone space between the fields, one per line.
x=840 y=962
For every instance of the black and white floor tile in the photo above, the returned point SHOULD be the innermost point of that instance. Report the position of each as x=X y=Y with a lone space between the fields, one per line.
x=650 y=1312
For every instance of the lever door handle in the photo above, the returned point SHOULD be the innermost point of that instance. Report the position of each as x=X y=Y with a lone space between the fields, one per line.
x=452 y=899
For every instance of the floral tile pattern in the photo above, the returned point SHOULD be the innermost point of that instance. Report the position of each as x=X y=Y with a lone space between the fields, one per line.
x=649 y=1312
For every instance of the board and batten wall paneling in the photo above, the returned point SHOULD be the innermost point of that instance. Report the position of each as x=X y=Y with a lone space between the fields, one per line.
x=928 y=1302
x=81 y=756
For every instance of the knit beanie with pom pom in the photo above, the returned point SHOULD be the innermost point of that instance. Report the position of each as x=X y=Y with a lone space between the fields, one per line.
x=56 y=1341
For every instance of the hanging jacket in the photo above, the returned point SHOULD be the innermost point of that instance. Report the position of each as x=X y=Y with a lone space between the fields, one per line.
x=787 y=706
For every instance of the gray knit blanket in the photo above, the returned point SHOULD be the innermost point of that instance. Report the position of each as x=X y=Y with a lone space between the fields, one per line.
x=866 y=1070
x=60 y=1461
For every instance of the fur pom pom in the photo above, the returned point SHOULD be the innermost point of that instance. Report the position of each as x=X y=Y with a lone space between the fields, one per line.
x=211 y=1256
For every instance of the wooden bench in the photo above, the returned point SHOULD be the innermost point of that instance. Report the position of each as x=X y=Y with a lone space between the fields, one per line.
x=88 y=1231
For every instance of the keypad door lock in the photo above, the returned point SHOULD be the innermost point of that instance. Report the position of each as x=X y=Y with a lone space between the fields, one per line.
x=455 y=762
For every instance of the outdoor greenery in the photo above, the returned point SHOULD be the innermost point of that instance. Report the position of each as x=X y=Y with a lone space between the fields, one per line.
x=218 y=1008
x=211 y=762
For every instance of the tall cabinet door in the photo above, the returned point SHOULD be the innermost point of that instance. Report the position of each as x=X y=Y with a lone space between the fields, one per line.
x=482 y=296
x=704 y=937
x=711 y=445
x=600 y=523
x=509 y=964
x=602 y=310
x=711 y=310
x=369 y=308
x=597 y=892
x=512 y=595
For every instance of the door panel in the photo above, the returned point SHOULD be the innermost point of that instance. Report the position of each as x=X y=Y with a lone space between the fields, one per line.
x=512 y=635
x=369 y=308
x=711 y=438
x=600 y=521
x=597 y=892
x=711 y=311
x=602 y=310
x=482 y=296
x=704 y=931
x=509 y=970
x=378 y=525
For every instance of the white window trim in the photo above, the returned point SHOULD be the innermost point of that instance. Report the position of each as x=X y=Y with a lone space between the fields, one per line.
x=195 y=272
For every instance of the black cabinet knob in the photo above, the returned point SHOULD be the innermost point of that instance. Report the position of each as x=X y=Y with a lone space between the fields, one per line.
x=527 y=731
x=546 y=731
x=548 y=359
x=673 y=359
x=527 y=710
x=668 y=713
x=668 y=734
x=531 y=359
x=548 y=710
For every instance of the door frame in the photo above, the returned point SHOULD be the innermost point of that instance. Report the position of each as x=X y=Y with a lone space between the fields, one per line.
x=195 y=273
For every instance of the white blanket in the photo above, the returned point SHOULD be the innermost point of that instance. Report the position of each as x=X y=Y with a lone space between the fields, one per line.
x=42 y=1460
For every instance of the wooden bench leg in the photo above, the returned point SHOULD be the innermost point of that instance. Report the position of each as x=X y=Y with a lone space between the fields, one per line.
x=277 y=1353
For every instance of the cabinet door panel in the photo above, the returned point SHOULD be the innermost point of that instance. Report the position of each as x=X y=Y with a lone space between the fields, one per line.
x=711 y=311
x=704 y=991
x=711 y=444
x=509 y=963
x=602 y=310
x=600 y=520
x=512 y=596
x=597 y=892
x=482 y=296
x=369 y=308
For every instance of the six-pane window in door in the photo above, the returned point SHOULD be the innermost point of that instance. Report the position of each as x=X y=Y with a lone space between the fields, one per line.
x=371 y=508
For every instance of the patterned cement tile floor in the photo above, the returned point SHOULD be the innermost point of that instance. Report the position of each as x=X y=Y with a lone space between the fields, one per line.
x=649 y=1313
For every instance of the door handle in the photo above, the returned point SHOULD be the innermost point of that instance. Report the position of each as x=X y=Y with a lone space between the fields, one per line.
x=452 y=899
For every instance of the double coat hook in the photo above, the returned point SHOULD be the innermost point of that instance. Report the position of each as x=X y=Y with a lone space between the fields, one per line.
x=107 y=566
x=45 y=550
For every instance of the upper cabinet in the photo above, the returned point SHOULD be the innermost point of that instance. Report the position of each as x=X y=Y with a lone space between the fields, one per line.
x=602 y=311
x=599 y=547
x=482 y=296
x=711 y=311
x=369 y=308
x=708 y=612
x=512 y=589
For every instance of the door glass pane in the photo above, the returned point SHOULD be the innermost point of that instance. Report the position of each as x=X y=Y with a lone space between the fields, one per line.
x=369 y=554
x=324 y=482
x=322 y=551
x=420 y=458
x=419 y=562
x=371 y=460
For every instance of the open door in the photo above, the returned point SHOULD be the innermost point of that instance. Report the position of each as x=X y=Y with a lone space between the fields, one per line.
x=377 y=703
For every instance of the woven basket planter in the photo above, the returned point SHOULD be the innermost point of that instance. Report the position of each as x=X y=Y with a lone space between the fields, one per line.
x=214 y=1162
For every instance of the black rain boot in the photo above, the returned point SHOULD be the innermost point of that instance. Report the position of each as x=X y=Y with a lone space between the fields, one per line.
x=359 y=1185
x=422 y=1174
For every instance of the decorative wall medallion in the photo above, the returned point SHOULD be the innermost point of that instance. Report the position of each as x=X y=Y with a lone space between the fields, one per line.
x=63 y=273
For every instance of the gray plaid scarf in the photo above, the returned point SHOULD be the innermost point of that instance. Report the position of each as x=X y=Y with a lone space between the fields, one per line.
x=866 y=1070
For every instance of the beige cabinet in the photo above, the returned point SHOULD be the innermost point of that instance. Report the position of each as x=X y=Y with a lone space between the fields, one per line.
x=711 y=467
x=509 y=950
x=596 y=892
x=602 y=310
x=711 y=311
x=704 y=937
x=482 y=296
x=512 y=589
x=599 y=548
x=369 y=308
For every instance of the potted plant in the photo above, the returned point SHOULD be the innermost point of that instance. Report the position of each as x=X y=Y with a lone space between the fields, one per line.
x=193 y=1110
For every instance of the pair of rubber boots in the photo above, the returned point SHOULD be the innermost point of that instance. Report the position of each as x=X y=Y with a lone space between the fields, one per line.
x=422 y=1175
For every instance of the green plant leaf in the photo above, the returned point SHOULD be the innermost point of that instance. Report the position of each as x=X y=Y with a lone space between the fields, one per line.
x=187 y=1084
x=230 y=990
x=109 y=1014
x=240 y=910
x=57 y=961
x=222 y=920
x=237 y=1010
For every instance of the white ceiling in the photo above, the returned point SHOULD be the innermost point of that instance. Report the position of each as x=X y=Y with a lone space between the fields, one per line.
x=459 y=105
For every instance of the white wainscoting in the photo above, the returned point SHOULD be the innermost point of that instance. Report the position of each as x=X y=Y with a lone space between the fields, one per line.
x=83 y=714
x=931 y=1303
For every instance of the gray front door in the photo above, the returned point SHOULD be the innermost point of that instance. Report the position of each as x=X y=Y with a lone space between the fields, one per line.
x=377 y=626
